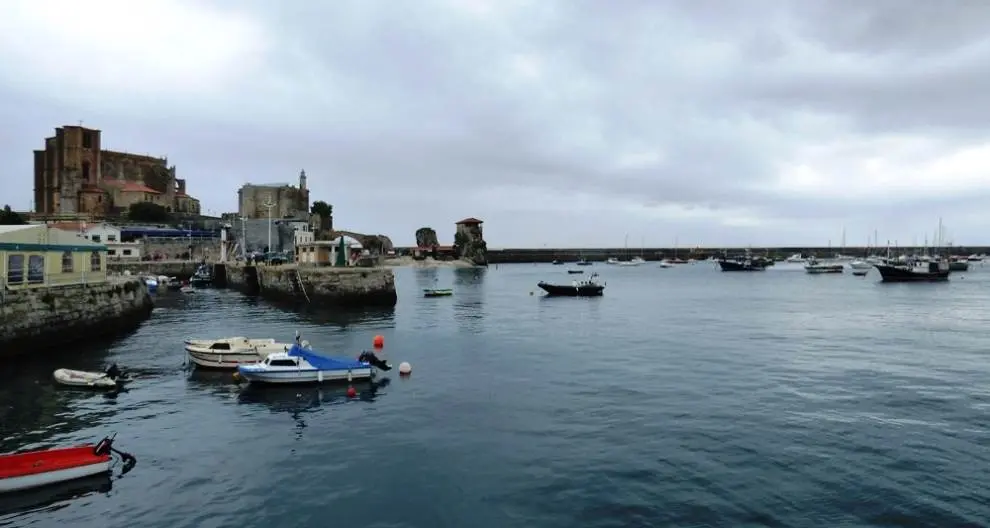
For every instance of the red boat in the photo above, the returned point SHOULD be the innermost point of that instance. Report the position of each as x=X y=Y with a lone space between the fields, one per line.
x=33 y=469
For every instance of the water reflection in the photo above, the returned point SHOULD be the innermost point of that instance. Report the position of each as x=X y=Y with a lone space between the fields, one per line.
x=33 y=403
x=49 y=498
x=469 y=299
x=427 y=278
x=469 y=276
x=301 y=400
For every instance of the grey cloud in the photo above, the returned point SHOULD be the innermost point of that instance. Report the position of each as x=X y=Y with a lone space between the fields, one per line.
x=410 y=103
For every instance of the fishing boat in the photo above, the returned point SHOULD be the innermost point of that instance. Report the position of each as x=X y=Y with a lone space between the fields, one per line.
x=202 y=277
x=583 y=262
x=229 y=352
x=300 y=364
x=575 y=272
x=815 y=267
x=111 y=379
x=437 y=292
x=43 y=467
x=914 y=271
x=745 y=263
x=585 y=288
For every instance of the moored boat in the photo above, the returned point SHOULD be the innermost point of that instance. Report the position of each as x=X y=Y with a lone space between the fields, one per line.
x=815 y=267
x=111 y=379
x=437 y=292
x=300 y=364
x=583 y=262
x=585 y=288
x=229 y=352
x=43 y=467
x=914 y=271
x=575 y=272
x=746 y=263
x=959 y=264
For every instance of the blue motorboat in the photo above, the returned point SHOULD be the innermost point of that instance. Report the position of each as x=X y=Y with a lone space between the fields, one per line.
x=300 y=364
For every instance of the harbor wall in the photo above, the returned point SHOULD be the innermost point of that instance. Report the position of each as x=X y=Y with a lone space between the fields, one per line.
x=316 y=285
x=46 y=317
x=533 y=255
x=181 y=269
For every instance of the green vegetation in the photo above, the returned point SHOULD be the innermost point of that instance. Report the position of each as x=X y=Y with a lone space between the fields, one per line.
x=148 y=212
x=9 y=217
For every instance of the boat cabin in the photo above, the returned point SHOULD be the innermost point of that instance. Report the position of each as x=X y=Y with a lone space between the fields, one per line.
x=281 y=361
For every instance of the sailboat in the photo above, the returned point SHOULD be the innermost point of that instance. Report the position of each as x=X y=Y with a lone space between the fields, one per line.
x=635 y=261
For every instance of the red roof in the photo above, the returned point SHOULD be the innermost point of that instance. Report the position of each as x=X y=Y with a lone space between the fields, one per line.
x=69 y=226
x=469 y=220
x=128 y=186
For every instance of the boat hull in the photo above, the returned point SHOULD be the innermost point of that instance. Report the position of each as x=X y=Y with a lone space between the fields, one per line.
x=861 y=272
x=897 y=274
x=304 y=375
x=82 y=379
x=24 y=471
x=961 y=265
x=572 y=291
x=731 y=265
x=819 y=270
x=229 y=359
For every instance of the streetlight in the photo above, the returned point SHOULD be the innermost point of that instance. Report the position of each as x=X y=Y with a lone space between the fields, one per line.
x=269 y=204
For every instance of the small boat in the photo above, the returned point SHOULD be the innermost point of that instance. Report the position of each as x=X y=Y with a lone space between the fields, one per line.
x=202 y=277
x=959 y=264
x=229 y=352
x=585 y=288
x=43 y=467
x=796 y=258
x=557 y=262
x=575 y=272
x=151 y=283
x=746 y=263
x=187 y=289
x=815 y=267
x=860 y=265
x=437 y=292
x=300 y=364
x=111 y=379
x=861 y=272
x=583 y=262
x=914 y=271
x=665 y=264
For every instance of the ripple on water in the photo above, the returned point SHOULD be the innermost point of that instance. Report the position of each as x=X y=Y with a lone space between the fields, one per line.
x=684 y=397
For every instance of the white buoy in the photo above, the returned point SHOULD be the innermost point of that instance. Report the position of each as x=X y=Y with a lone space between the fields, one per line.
x=405 y=368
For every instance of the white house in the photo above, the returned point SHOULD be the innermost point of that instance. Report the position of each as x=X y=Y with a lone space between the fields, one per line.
x=109 y=236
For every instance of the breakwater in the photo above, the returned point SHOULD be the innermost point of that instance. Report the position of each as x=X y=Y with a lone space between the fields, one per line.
x=318 y=286
x=48 y=316
x=533 y=255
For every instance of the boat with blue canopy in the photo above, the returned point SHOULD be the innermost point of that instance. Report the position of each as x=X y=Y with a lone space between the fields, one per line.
x=300 y=364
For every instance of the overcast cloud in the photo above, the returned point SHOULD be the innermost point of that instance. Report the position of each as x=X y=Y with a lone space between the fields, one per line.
x=560 y=123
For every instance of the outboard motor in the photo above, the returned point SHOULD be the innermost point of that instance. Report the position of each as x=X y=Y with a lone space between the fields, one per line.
x=369 y=357
x=113 y=372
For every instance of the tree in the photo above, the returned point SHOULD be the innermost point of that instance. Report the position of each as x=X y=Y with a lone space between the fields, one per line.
x=321 y=208
x=9 y=217
x=148 y=212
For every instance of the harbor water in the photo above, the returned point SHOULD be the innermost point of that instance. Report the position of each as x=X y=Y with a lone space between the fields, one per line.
x=683 y=397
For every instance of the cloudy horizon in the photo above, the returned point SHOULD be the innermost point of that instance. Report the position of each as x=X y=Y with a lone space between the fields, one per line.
x=559 y=123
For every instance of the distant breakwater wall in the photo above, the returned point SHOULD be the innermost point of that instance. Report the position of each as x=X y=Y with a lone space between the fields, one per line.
x=181 y=269
x=67 y=315
x=315 y=285
x=527 y=255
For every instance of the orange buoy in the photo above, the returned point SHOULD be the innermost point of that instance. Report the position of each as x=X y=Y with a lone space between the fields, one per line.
x=378 y=341
x=351 y=392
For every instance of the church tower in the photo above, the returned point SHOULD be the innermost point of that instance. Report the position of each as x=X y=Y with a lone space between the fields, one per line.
x=302 y=180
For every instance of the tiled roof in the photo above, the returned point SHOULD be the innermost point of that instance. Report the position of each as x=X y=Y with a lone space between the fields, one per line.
x=128 y=186
x=470 y=220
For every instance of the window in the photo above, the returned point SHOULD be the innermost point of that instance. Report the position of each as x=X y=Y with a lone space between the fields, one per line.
x=96 y=238
x=282 y=363
x=95 y=261
x=36 y=269
x=111 y=238
x=66 y=262
x=15 y=269
x=87 y=140
x=127 y=252
x=111 y=252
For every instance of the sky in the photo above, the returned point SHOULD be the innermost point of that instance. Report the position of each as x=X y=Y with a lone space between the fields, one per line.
x=559 y=123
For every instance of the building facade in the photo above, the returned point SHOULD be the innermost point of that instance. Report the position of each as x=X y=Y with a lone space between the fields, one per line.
x=35 y=255
x=73 y=175
x=286 y=201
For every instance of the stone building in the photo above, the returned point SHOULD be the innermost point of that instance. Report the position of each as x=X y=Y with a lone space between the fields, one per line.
x=288 y=201
x=73 y=175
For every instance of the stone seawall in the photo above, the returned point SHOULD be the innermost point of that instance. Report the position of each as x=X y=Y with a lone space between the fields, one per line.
x=181 y=269
x=319 y=286
x=71 y=314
